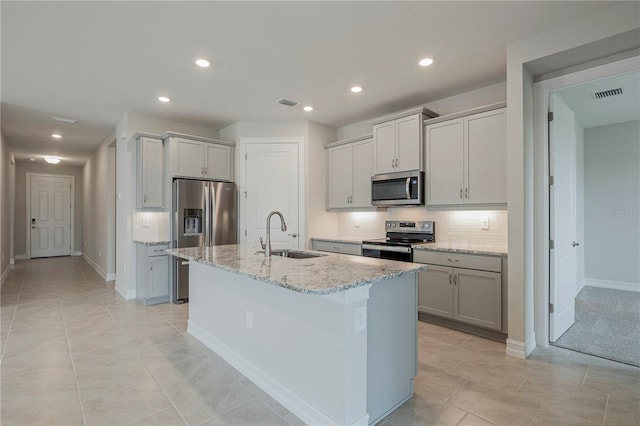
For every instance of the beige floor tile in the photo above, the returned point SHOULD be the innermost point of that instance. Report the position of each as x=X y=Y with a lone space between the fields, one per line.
x=432 y=333
x=183 y=373
x=498 y=406
x=52 y=360
x=92 y=385
x=554 y=416
x=471 y=420
x=484 y=346
x=274 y=405
x=167 y=417
x=622 y=412
x=617 y=380
x=18 y=344
x=435 y=383
x=37 y=384
x=125 y=405
x=292 y=420
x=441 y=355
x=418 y=411
x=61 y=408
x=203 y=400
x=254 y=412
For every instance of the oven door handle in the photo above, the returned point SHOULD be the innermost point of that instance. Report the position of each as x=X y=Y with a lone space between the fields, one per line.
x=407 y=188
x=387 y=248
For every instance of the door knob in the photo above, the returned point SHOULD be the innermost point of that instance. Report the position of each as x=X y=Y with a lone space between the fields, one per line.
x=293 y=235
x=574 y=244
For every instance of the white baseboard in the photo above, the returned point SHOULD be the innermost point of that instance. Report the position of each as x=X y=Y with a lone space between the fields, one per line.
x=111 y=276
x=516 y=348
x=615 y=285
x=12 y=261
x=580 y=285
x=292 y=402
x=126 y=294
x=21 y=257
x=76 y=253
x=95 y=266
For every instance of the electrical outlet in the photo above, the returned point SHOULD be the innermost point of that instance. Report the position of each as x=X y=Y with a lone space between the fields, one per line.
x=360 y=319
x=248 y=319
x=85 y=243
x=99 y=253
x=484 y=224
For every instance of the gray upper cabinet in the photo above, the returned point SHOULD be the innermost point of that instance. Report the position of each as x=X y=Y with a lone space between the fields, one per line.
x=200 y=158
x=398 y=144
x=466 y=160
x=149 y=172
x=350 y=167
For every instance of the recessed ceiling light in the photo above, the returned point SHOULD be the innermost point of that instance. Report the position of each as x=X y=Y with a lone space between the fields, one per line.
x=308 y=108
x=56 y=136
x=356 y=89
x=52 y=160
x=425 y=62
x=202 y=63
x=163 y=99
x=32 y=159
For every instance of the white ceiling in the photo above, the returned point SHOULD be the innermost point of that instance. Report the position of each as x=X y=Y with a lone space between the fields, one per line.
x=95 y=61
x=592 y=112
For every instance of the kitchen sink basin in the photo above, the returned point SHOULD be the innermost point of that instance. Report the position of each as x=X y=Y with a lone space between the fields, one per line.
x=295 y=254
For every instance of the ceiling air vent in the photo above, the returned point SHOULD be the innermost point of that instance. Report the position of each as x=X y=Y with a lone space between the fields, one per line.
x=287 y=102
x=608 y=93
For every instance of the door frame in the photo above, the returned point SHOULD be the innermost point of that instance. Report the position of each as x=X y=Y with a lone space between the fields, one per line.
x=28 y=209
x=541 y=218
x=241 y=149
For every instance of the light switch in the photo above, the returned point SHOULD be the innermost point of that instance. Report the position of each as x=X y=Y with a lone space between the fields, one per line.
x=485 y=224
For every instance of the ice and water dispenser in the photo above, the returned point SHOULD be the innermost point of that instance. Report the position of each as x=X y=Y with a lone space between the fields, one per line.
x=192 y=222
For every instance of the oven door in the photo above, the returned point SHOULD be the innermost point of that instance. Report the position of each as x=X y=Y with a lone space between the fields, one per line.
x=380 y=251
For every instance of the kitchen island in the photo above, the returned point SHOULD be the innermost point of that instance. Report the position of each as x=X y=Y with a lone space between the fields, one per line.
x=332 y=338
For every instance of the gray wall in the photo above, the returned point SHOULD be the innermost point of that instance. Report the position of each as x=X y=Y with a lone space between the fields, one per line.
x=579 y=205
x=5 y=205
x=24 y=167
x=612 y=202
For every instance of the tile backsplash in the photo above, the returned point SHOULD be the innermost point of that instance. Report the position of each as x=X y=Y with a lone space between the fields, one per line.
x=451 y=226
x=151 y=226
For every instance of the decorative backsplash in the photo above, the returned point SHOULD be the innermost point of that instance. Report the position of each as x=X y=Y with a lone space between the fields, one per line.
x=151 y=226
x=451 y=226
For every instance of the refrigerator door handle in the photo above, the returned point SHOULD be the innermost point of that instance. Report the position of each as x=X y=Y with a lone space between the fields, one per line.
x=213 y=213
x=206 y=239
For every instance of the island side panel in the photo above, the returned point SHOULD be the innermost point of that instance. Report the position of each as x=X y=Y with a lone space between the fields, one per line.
x=392 y=344
x=302 y=349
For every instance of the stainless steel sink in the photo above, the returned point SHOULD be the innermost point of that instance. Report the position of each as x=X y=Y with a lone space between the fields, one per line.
x=296 y=254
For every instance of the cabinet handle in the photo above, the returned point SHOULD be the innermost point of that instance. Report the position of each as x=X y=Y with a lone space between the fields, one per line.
x=393 y=162
x=336 y=248
x=144 y=198
x=455 y=279
x=150 y=267
x=460 y=193
x=450 y=279
x=466 y=193
x=453 y=260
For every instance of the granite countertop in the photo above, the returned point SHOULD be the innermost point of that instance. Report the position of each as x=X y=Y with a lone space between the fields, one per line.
x=346 y=239
x=327 y=274
x=464 y=247
x=151 y=243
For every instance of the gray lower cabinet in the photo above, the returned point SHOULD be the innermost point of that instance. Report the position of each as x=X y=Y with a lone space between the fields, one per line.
x=152 y=274
x=336 y=247
x=466 y=295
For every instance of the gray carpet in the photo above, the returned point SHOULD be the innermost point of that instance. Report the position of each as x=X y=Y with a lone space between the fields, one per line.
x=607 y=325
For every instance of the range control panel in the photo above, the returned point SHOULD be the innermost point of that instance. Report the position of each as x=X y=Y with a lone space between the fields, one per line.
x=426 y=226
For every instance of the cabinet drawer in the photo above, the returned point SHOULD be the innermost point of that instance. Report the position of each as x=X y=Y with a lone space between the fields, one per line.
x=157 y=249
x=336 y=247
x=469 y=261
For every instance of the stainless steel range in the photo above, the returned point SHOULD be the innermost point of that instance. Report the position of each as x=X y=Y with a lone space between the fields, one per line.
x=402 y=237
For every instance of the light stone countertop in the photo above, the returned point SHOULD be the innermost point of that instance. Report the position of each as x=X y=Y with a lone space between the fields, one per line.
x=330 y=273
x=151 y=243
x=464 y=247
x=345 y=239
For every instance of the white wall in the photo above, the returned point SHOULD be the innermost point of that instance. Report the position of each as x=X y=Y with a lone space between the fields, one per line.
x=6 y=171
x=563 y=42
x=579 y=205
x=452 y=104
x=128 y=126
x=612 y=204
x=20 y=206
x=98 y=211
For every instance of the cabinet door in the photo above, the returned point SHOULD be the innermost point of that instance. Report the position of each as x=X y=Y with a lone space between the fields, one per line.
x=218 y=165
x=409 y=143
x=152 y=173
x=486 y=158
x=384 y=147
x=190 y=161
x=158 y=284
x=362 y=160
x=435 y=291
x=444 y=163
x=340 y=174
x=478 y=298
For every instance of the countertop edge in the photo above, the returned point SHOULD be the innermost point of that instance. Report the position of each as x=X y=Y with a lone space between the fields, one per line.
x=151 y=243
x=463 y=250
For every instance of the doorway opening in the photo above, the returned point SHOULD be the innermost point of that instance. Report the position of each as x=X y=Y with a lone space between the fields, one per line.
x=594 y=216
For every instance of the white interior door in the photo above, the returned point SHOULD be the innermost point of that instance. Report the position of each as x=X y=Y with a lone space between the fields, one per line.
x=562 y=194
x=272 y=183
x=50 y=220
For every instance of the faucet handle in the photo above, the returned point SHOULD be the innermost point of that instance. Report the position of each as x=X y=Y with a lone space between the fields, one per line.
x=262 y=244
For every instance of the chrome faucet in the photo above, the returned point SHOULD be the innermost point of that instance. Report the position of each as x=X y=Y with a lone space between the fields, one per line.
x=283 y=226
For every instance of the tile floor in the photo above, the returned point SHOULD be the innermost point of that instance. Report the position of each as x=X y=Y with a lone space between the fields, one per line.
x=74 y=352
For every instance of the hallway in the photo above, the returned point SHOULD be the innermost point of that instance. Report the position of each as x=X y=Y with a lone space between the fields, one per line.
x=74 y=352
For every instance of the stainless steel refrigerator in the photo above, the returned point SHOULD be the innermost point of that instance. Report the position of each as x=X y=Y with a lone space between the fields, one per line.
x=204 y=214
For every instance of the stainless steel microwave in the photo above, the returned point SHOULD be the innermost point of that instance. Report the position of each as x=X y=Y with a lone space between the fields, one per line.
x=398 y=189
